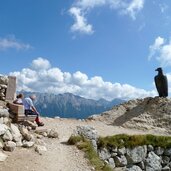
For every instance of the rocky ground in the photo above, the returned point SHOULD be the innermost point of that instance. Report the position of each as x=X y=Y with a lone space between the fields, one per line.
x=59 y=156
x=141 y=116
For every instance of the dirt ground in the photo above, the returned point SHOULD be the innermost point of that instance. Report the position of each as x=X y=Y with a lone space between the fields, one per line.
x=60 y=156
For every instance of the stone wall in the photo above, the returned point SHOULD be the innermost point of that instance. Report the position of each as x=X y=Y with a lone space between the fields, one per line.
x=140 y=158
x=3 y=87
x=7 y=88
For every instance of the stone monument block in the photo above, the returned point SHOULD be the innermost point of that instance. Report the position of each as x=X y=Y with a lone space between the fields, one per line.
x=11 y=88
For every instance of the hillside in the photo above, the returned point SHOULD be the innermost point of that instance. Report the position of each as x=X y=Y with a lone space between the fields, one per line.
x=68 y=105
x=148 y=113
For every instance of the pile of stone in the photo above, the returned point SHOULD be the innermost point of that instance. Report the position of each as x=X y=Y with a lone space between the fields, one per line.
x=139 y=158
x=21 y=135
x=3 y=87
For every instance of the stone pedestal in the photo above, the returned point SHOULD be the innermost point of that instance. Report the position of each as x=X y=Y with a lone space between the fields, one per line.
x=11 y=88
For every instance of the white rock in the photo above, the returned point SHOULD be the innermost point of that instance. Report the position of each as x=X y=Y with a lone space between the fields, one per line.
x=40 y=149
x=16 y=133
x=4 y=113
x=136 y=154
x=7 y=136
x=3 y=156
x=28 y=144
x=9 y=146
x=134 y=168
x=3 y=129
x=153 y=162
x=52 y=134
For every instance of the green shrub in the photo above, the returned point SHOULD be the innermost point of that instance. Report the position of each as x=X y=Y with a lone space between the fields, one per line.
x=123 y=140
x=86 y=146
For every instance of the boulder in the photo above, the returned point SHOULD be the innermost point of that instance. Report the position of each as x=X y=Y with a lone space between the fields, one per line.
x=166 y=168
x=121 y=151
x=136 y=154
x=4 y=113
x=40 y=149
x=29 y=123
x=1 y=142
x=167 y=152
x=16 y=133
x=104 y=154
x=112 y=163
x=3 y=129
x=2 y=156
x=9 y=146
x=7 y=136
x=4 y=80
x=159 y=151
x=150 y=148
x=120 y=161
x=134 y=168
x=52 y=134
x=88 y=132
x=28 y=144
x=153 y=162
x=25 y=133
x=165 y=160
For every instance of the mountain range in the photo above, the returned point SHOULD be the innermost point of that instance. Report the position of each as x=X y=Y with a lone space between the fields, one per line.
x=68 y=105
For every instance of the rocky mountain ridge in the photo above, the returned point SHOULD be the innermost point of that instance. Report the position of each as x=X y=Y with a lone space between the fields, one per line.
x=68 y=105
x=147 y=113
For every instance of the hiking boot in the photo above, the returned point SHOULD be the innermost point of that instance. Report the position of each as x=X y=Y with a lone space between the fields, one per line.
x=40 y=124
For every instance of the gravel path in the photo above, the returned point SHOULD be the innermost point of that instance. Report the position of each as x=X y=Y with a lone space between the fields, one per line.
x=59 y=156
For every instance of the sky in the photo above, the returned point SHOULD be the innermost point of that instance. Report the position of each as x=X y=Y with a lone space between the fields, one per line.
x=92 y=48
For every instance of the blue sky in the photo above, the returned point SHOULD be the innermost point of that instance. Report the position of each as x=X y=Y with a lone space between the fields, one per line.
x=93 y=48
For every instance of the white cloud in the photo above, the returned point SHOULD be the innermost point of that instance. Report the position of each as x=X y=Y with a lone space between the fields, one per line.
x=80 y=24
x=53 y=80
x=40 y=63
x=11 y=43
x=161 y=51
x=80 y=8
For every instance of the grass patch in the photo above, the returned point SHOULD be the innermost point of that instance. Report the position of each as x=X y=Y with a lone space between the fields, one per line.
x=123 y=140
x=86 y=146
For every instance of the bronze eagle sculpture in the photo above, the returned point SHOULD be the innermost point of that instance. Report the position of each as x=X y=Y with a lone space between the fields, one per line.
x=161 y=83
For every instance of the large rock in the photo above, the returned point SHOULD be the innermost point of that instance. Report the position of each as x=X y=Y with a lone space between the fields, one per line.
x=4 y=113
x=112 y=163
x=52 y=134
x=153 y=162
x=137 y=154
x=2 y=156
x=134 y=168
x=25 y=133
x=3 y=129
x=120 y=161
x=16 y=133
x=104 y=154
x=7 y=136
x=4 y=80
x=88 y=132
x=1 y=142
x=40 y=149
x=167 y=152
x=28 y=144
x=9 y=146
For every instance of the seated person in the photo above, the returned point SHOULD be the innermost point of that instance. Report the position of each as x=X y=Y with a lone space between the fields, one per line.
x=19 y=99
x=30 y=109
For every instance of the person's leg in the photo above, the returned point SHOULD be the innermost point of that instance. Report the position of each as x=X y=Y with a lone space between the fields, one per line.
x=30 y=112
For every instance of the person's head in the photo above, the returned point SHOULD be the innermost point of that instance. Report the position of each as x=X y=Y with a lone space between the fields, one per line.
x=33 y=97
x=20 y=96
